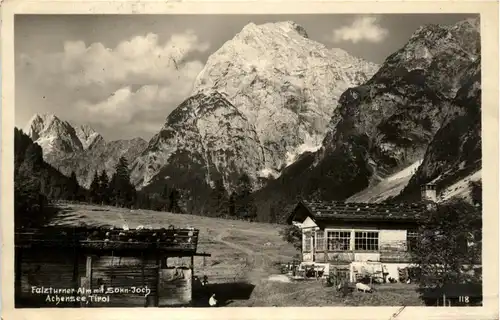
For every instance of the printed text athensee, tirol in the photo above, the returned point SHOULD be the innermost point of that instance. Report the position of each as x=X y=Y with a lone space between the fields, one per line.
x=102 y=290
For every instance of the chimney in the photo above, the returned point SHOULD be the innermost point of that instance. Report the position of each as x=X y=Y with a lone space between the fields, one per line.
x=428 y=192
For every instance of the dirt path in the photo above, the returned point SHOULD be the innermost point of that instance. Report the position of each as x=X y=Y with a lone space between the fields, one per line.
x=257 y=264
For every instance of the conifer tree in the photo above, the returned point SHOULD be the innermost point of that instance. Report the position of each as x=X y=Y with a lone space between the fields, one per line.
x=232 y=205
x=173 y=201
x=30 y=204
x=273 y=217
x=122 y=191
x=35 y=182
x=104 y=188
x=244 y=203
x=448 y=243
x=94 y=189
x=73 y=187
x=218 y=199
x=165 y=198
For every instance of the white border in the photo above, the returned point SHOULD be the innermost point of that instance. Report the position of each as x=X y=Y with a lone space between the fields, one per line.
x=489 y=41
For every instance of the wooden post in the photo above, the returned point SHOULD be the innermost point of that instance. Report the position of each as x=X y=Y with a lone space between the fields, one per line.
x=313 y=244
x=88 y=271
x=87 y=280
x=192 y=277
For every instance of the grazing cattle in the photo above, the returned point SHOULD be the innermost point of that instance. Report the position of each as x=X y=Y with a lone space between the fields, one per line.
x=363 y=287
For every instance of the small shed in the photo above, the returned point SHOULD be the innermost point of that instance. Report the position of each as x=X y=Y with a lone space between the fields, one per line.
x=104 y=267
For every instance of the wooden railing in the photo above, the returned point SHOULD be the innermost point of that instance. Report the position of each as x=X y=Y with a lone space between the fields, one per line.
x=389 y=251
x=109 y=239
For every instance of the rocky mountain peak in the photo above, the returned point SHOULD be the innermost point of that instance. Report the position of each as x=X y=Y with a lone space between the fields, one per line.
x=419 y=115
x=53 y=134
x=79 y=148
x=289 y=28
x=88 y=136
x=204 y=139
x=275 y=84
x=441 y=53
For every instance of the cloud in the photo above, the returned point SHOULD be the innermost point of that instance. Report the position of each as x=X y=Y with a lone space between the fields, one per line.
x=113 y=86
x=364 y=28
x=144 y=109
x=140 y=59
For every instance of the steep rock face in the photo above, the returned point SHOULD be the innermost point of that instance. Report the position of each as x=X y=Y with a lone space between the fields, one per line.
x=102 y=156
x=80 y=149
x=455 y=151
x=56 y=137
x=88 y=136
x=205 y=136
x=285 y=85
x=387 y=123
x=442 y=52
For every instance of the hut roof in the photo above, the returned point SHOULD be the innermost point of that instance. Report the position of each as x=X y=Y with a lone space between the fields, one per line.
x=116 y=239
x=324 y=211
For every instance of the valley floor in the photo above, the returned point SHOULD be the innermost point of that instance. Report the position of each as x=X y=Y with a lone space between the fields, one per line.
x=244 y=256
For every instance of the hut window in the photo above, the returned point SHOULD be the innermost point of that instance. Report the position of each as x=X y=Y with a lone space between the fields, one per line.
x=339 y=240
x=366 y=241
x=307 y=241
x=320 y=240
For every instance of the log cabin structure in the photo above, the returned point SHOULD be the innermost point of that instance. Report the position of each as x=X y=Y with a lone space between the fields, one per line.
x=363 y=239
x=356 y=239
x=105 y=267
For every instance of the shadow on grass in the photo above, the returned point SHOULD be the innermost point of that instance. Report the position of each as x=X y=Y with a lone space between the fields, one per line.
x=225 y=293
x=47 y=215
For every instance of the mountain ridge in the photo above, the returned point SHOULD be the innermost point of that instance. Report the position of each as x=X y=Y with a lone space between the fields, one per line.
x=286 y=87
x=387 y=123
x=71 y=147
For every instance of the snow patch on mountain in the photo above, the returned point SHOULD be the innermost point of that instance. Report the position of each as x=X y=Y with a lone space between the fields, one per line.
x=388 y=187
x=461 y=188
x=310 y=145
x=284 y=85
x=406 y=172
x=53 y=135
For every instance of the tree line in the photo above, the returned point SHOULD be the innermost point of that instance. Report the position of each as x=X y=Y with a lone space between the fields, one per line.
x=37 y=184
x=120 y=192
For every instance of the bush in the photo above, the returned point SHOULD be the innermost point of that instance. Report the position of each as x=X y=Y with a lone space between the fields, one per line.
x=292 y=234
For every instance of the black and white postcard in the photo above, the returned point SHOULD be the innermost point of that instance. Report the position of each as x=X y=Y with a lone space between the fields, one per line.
x=187 y=160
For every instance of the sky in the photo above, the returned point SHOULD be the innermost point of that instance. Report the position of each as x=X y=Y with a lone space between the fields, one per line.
x=123 y=74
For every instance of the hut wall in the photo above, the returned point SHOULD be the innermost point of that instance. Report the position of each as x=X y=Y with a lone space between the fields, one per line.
x=128 y=275
x=47 y=269
x=175 y=286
